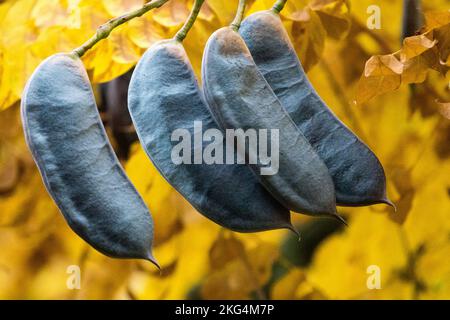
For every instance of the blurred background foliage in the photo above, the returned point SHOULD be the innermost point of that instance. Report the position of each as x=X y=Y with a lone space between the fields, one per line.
x=408 y=127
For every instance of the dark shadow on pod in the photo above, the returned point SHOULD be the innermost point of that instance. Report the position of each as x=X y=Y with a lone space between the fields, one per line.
x=240 y=97
x=163 y=97
x=77 y=163
x=358 y=175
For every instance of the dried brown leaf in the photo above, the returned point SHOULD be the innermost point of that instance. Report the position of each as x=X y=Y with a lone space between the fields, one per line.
x=308 y=35
x=415 y=45
x=381 y=74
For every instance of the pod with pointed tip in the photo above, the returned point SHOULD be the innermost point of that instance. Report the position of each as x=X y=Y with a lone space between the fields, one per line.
x=240 y=97
x=77 y=163
x=163 y=97
x=358 y=176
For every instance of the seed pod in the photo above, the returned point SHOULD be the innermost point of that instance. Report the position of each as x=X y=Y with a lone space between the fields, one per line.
x=79 y=168
x=357 y=173
x=163 y=97
x=240 y=97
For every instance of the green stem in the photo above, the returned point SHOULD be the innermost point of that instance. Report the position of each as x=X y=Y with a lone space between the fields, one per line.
x=105 y=29
x=181 y=34
x=236 y=24
x=279 y=5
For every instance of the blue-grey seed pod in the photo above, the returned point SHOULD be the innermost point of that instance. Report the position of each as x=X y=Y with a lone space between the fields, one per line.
x=77 y=163
x=240 y=97
x=357 y=174
x=164 y=96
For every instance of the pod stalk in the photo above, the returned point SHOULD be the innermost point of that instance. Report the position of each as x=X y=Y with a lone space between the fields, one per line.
x=278 y=6
x=105 y=29
x=182 y=33
x=236 y=24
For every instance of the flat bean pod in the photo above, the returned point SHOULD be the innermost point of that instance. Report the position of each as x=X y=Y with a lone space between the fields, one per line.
x=358 y=175
x=164 y=96
x=240 y=97
x=67 y=139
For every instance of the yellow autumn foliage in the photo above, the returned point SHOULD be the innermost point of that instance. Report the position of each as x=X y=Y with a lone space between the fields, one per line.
x=407 y=126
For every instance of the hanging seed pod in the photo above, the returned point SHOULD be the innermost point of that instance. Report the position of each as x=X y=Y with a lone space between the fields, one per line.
x=164 y=97
x=77 y=163
x=357 y=174
x=240 y=97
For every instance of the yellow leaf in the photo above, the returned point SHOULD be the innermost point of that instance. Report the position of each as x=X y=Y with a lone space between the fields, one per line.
x=124 y=50
x=444 y=109
x=47 y=13
x=99 y=61
x=224 y=249
x=308 y=35
x=259 y=5
x=383 y=66
x=441 y=35
x=224 y=10
x=306 y=291
x=300 y=15
x=434 y=272
x=415 y=70
x=231 y=282
x=261 y=259
x=206 y=13
x=172 y=14
x=332 y=4
x=93 y=14
x=9 y=172
x=190 y=248
x=20 y=64
x=339 y=268
x=18 y=32
x=286 y=287
x=161 y=198
x=435 y=19
x=291 y=9
x=4 y=8
x=195 y=43
x=145 y=31
x=118 y=7
x=237 y=272
x=334 y=15
x=428 y=220
x=54 y=39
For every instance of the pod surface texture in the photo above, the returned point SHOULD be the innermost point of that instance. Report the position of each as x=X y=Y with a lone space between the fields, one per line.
x=240 y=98
x=67 y=139
x=358 y=175
x=164 y=96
